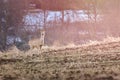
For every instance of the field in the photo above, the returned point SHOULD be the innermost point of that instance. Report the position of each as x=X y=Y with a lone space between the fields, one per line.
x=91 y=62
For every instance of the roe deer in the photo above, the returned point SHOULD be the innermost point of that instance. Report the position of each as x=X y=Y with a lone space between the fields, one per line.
x=38 y=43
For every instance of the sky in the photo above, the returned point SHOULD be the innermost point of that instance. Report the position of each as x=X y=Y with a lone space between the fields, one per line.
x=37 y=18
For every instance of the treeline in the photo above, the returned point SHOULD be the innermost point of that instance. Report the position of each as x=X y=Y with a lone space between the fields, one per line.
x=12 y=13
x=11 y=18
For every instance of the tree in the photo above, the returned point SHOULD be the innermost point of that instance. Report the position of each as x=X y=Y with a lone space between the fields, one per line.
x=11 y=17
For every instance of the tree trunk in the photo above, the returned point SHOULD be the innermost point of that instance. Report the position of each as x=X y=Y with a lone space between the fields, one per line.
x=62 y=16
x=44 y=20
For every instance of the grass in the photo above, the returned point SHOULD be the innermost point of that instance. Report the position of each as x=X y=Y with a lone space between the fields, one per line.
x=96 y=61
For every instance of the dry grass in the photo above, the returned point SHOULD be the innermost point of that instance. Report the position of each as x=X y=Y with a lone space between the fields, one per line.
x=106 y=40
x=95 y=61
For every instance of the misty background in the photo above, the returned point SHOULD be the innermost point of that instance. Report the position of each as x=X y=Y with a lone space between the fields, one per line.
x=75 y=22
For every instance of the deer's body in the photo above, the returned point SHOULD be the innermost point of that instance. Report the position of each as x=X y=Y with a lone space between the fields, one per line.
x=38 y=43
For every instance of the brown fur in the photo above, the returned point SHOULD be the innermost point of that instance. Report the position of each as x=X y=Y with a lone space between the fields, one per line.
x=37 y=43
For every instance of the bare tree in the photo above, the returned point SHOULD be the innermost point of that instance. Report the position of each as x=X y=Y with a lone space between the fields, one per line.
x=11 y=15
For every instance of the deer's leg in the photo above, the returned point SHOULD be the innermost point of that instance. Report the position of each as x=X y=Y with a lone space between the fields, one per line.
x=33 y=47
x=40 y=47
